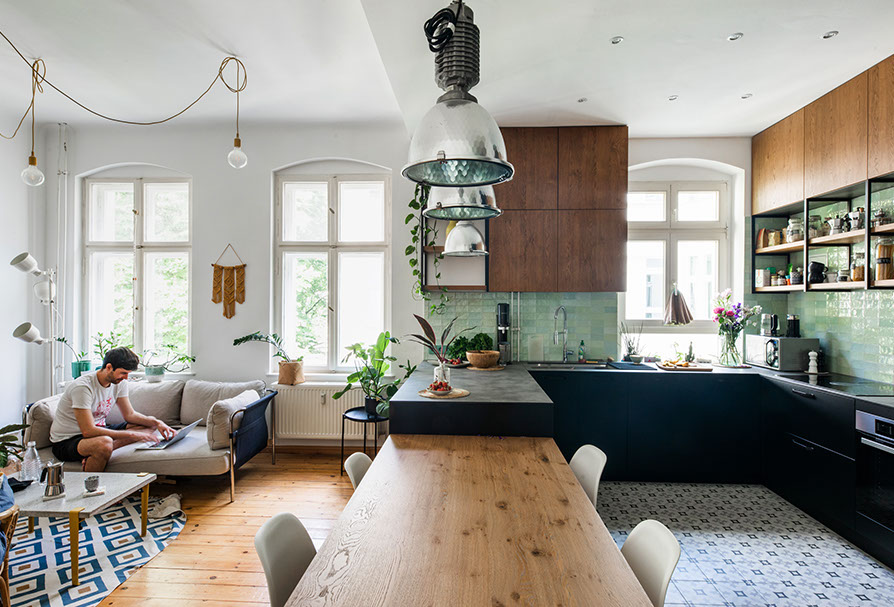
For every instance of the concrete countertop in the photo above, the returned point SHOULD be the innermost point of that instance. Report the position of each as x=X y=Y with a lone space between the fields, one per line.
x=510 y=385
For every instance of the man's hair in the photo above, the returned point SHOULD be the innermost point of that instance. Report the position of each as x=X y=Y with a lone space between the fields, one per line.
x=121 y=358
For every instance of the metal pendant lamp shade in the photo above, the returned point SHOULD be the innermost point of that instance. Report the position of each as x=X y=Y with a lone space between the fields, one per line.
x=458 y=143
x=462 y=203
x=464 y=240
x=677 y=312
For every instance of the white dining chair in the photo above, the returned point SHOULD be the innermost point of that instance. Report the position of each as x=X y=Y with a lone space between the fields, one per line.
x=356 y=467
x=652 y=552
x=587 y=464
x=285 y=550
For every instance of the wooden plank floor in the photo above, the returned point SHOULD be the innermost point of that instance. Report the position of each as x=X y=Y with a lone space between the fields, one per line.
x=213 y=561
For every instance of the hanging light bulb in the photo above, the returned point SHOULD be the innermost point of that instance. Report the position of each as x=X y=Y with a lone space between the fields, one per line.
x=32 y=175
x=237 y=157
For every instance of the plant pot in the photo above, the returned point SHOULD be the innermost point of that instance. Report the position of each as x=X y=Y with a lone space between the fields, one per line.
x=291 y=373
x=75 y=369
x=483 y=359
x=85 y=366
x=370 y=405
x=155 y=373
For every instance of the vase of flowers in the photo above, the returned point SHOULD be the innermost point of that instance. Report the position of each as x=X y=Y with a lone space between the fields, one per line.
x=731 y=318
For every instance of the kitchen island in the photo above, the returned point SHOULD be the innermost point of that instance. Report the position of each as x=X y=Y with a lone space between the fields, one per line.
x=508 y=402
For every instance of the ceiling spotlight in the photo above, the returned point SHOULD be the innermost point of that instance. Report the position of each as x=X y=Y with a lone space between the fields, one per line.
x=617 y=39
x=582 y=100
x=673 y=98
x=830 y=34
x=735 y=36
x=747 y=96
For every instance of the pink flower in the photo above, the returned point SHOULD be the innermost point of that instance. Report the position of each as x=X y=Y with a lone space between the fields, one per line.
x=718 y=310
x=730 y=313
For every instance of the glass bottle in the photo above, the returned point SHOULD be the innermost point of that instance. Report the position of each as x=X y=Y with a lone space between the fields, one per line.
x=31 y=463
x=858 y=270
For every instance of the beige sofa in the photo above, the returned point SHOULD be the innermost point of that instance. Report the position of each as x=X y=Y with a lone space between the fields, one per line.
x=210 y=448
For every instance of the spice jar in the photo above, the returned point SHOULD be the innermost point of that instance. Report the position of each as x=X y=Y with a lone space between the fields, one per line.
x=815 y=229
x=858 y=270
x=795 y=230
x=884 y=250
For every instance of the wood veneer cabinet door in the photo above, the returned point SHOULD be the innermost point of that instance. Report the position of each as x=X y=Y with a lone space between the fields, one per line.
x=836 y=138
x=777 y=164
x=522 y=251
x=533 y=153
x=881 y=118
x=592 y=250
x=593 y=167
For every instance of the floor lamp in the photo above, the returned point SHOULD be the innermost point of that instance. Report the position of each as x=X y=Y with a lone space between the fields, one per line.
x=45 y=290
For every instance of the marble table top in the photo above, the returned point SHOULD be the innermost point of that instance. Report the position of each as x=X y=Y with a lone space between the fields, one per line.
x=117 y=486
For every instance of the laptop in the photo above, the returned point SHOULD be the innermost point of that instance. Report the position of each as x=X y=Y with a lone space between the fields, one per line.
x=181 y=434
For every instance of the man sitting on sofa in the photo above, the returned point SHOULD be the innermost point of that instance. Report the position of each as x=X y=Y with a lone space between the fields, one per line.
x=79 y=432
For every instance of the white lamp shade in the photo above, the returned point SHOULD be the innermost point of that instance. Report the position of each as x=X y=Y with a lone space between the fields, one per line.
x=45 y=291
x=28 y=333
x=26 y=263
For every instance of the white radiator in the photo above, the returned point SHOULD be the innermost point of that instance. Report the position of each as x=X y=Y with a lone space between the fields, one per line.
x=310 y=412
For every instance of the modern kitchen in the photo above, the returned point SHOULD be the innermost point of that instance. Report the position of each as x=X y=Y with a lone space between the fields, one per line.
x=576 y=304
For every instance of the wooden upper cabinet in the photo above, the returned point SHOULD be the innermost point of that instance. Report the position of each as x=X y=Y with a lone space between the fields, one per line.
x=522 y=252
x=592 y=250
x=592 y=167
x=881 y=118
x=533 y=153
x=836 y=137
x=777 y=164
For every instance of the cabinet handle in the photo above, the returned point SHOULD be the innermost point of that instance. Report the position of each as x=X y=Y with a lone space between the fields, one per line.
x=804 y=394
x=875 y=445
x=802 y=445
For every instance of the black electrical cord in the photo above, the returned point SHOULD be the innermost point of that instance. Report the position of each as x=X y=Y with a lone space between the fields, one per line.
x=439 y=29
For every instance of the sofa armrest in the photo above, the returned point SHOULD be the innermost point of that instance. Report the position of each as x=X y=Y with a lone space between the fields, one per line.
x=250 y=438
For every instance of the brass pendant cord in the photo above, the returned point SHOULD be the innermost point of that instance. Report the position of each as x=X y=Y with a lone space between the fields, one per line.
x=39 y=78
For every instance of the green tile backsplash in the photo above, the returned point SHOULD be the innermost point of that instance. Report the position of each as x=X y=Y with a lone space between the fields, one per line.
x=592 y=317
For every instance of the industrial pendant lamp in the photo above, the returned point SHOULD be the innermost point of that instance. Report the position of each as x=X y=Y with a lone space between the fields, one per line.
x=457 y=143
x=464 y=240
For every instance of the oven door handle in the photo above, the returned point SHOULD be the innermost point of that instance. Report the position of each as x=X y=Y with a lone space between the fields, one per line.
x=875 y=445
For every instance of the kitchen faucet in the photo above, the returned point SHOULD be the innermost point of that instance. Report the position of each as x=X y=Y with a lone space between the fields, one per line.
x=564 y=332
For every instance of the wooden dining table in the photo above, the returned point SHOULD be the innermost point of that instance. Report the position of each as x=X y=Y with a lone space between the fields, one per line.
x=466 y=521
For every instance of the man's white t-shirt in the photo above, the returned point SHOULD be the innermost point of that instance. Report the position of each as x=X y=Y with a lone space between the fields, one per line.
x=84 y=393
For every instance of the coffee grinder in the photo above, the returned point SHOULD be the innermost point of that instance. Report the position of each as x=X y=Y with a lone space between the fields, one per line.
x=503 y=332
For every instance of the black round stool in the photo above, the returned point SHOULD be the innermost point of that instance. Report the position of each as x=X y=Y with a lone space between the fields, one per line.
x=359 y=414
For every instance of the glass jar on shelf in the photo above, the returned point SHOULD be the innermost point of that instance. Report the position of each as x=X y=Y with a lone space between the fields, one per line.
x=795 y=230
x=815 y=229
x=884 y=250
x=858 y=270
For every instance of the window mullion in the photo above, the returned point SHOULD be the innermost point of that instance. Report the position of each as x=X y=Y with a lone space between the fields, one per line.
x=138 y=270
x=332 y=314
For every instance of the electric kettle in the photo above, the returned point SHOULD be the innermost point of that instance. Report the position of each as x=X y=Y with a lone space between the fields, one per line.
x=769 y=324
x=52 y=474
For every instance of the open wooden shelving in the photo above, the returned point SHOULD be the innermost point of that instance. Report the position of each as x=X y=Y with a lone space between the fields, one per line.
x=837 y=286
x=838 y=239
x=778 y=249
x=779 y=289
x=888 y=228
x=888 y=283
x=436 y=288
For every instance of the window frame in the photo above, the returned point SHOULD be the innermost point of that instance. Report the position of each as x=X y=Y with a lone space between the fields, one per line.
x=672 y=231
x=332 y=247
x=139 y=246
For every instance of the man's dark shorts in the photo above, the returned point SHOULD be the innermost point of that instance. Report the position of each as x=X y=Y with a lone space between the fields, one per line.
x=67 y=450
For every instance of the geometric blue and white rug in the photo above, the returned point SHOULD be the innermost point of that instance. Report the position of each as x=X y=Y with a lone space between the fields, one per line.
x=110 y=549
x=744 y=546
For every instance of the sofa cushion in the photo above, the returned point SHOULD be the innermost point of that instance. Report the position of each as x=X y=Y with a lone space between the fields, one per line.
x=218 y=420
x=189 y=457
x=199 y=396
x=39 y=419
x=160 y=400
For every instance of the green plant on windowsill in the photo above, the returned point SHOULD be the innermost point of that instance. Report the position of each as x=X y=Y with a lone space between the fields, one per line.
x=164 y=360
x=290 y=369
x=103 y=343
x=371 y=365
x=80 y=360
x=631 y=337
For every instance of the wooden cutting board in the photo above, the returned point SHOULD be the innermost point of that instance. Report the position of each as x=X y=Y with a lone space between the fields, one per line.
x=689 y=368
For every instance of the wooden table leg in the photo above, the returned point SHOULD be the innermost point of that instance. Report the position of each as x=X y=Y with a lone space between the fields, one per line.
x=74 y=527
x=30 y=524
x=145 y=515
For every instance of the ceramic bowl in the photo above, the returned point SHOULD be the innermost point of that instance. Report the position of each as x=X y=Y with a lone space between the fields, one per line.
x=483 y=358
x=636 y=358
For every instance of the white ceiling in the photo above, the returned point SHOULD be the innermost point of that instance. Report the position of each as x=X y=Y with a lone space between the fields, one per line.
x=360 y=61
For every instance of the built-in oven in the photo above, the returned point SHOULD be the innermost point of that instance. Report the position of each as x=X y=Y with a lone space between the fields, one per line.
x=875 y=477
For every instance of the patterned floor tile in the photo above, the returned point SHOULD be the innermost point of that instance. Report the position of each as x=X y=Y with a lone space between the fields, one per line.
x=744 y=545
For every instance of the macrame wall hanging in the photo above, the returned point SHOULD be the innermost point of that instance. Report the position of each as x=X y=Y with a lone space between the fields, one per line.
x=228 y=284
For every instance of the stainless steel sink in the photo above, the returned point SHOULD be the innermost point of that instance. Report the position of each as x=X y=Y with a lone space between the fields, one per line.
x=567 y=366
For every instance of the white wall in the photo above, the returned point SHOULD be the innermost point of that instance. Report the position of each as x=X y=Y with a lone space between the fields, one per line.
x=235 y=206
x=17 y=227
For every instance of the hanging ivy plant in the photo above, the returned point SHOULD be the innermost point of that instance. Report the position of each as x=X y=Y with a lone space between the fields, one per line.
x=423 y=234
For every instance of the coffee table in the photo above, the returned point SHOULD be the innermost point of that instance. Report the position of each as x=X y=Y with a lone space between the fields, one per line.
x=77 y=507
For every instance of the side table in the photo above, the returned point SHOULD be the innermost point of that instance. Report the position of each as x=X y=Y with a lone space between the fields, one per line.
x=359 y=415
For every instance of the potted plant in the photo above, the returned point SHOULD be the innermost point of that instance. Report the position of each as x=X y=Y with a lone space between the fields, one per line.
x=631 y=337
x=81 y=362
x=430 y=341
x=166 y=359
x=731 y=319
x=9 y=448
x=102 y=344
x=291 y=371
x=371 y=365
